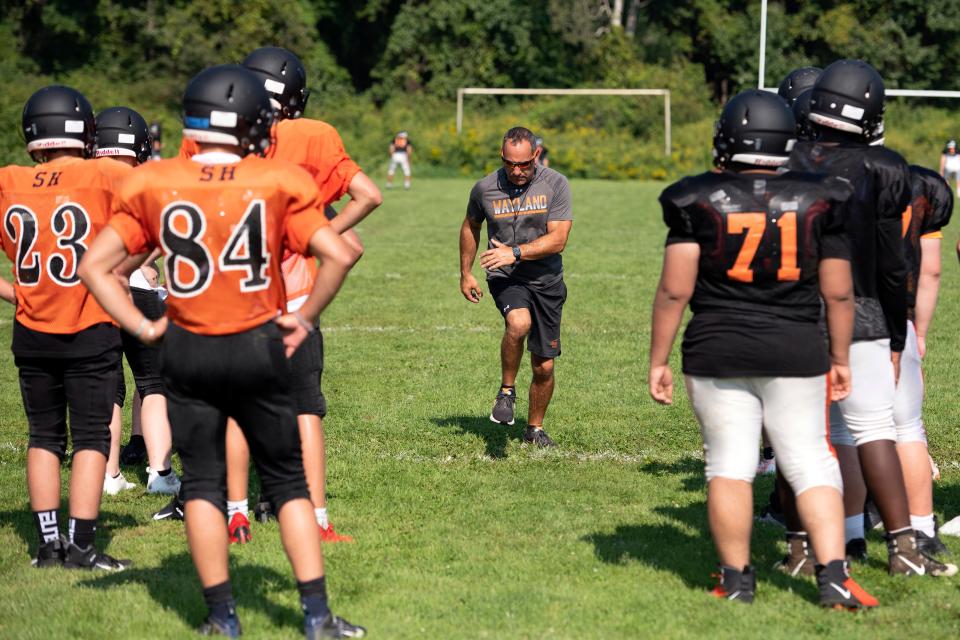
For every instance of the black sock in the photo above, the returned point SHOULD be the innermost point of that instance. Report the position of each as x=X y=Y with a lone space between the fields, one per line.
x=47 y=526
x=508 y=387
x=134 y=437
x=82 y=532
x=313 y=597
x=219 y=599
x=768 y=453
x=164 y=472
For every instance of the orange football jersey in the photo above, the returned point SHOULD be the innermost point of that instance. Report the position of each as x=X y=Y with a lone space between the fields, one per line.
x=317 y=147
x=51 y=214
x=223 y=230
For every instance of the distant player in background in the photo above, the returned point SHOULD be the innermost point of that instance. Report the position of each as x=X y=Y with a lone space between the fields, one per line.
x=401 y=152
x=542 y=158
x=950 y=164
x=65 y=346
x=156 y=141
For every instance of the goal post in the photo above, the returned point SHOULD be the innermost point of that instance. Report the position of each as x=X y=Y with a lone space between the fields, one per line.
x=491 y=91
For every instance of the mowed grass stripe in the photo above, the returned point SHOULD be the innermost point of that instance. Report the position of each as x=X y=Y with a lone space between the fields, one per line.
x=462 y=532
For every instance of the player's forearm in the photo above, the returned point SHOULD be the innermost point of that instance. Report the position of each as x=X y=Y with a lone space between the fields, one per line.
x=469 y=242
x=96 y=270
x=335 y=261
x=667 y=315
x=928 y=285
x=364 y=198
x=836 y=289
x=7 y=292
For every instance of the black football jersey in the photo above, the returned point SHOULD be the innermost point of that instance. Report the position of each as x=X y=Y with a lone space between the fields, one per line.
x=930 y=208
x=881 y=182
x=756 y=304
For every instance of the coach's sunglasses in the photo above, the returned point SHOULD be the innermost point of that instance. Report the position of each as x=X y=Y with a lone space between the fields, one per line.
x=517 y=165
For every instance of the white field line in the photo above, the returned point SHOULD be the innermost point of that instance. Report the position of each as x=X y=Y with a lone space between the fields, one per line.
x=576 y=456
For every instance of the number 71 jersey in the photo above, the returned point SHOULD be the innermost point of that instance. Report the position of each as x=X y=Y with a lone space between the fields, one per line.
x=761 y=238
x=51 y=214
x=223 y=229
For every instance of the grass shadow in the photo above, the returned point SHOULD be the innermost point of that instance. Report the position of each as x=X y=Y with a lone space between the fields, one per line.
x=690 y=469
x=495 y=436
x=174 y=586
x=21 y=521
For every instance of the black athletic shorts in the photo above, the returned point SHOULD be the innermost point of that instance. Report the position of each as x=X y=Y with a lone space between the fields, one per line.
x=245 y=376
x=545 y=305
x=306 y=370
x=144 y=359
x=85 y=386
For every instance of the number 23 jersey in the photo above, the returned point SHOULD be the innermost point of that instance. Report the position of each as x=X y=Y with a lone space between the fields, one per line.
x=756 y=304
x=223 y=229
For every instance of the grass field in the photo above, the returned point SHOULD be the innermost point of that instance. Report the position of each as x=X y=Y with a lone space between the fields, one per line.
x=462 y=532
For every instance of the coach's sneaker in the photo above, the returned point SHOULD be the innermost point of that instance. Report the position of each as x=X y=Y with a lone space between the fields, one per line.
x=838 y=590
x=538 y=438
x=856 y=550
x=90 y=558
x=134 y=452
x=229 y=627
x=907 y=560
x=173 y=510
x=503 y=406
x=168 y=484
x=239 y=529
x=799 y=560
x=330 y=626
x=735 y=584
x=49 y=554
x=114 y=485
x=329 y=534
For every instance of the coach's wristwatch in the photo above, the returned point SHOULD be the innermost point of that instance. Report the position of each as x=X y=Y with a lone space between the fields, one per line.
x=516 y=254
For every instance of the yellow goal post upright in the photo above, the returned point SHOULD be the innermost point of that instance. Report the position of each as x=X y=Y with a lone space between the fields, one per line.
x=493 y=91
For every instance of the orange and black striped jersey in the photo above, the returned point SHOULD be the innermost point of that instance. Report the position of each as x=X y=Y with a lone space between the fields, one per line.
x=930 y=209
x=223 y=230
x=316 y=147
x=51 y=214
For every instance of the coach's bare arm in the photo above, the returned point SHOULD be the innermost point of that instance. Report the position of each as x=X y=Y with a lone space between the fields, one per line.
x=836 y=289
x=677 y=282
x=469 y=241
x=552 y=242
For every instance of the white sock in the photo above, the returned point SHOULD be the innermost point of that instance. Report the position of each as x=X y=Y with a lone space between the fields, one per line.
x=237 y=506
x=853 y=527
x=923 y=524
x=322 y=517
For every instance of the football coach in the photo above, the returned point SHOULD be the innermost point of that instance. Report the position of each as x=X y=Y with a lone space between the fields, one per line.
x=527 y=209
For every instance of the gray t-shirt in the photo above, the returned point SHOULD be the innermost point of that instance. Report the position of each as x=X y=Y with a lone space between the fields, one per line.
x=517 y=215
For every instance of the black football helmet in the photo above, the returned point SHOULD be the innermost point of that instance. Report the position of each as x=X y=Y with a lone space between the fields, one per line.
x=227 y=104
x=798 y=81
x=121 y=131
x=849 y=96
x=756 y=128
x=801 y=113
x=58 y=117
x=283 y=76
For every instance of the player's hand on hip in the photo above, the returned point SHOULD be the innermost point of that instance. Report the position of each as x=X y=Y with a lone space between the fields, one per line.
x=840 y=382
x=154 y=331
x=661 y=384
x=469 y=288
x=500 y=256
x=293 y=332
x=895 y=359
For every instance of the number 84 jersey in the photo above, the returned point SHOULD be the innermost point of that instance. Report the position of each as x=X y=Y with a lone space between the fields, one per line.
x=51 y=214
x=761 y=239
x=223 y=229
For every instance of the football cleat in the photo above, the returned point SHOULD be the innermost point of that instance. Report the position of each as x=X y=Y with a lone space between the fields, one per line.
x=767 y=466
x=856 y=550
x=49 y=554
x=263 y=511
x=771 y=516
x=239 y=529
x=134 y=452
x=331 y=626
x=736 y=585
x=329 y=534
x=229 y=627
x=113 y=486
x=538 y=438
x=931 y=545
x=839 y=591
x=503 y=407
x=168 y=484
x=799 y=560
x=907 y=560
x=90 y=558
x=871 y=517
x=173 y=510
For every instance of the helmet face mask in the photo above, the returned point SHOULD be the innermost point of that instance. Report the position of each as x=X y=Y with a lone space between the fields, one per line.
x=121 y=131
x=849 y=97
x=755 y=128
x=284 y=77
x=228 y=105
x=58 y=117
